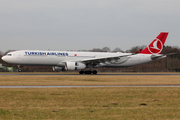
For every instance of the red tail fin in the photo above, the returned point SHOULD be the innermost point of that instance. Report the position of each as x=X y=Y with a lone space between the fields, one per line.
x=156 y=45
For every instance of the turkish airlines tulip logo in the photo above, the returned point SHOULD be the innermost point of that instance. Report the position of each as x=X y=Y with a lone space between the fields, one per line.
x=155 y=47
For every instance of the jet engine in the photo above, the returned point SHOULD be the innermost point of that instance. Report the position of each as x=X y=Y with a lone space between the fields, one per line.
x=75 y=66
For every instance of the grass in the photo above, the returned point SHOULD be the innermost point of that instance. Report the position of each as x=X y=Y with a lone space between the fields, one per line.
x=90 y=103
x=88 y=80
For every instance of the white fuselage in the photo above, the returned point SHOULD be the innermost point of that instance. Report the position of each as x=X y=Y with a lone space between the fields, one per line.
x=58 y=58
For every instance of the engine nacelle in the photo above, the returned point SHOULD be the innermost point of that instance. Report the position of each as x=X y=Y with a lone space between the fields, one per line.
x=57 y=68
x=75 y=66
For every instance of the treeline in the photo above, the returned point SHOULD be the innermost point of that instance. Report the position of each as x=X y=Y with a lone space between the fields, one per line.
x=170 y=63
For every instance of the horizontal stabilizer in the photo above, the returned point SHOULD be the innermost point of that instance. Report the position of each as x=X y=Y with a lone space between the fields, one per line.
x=157 y=56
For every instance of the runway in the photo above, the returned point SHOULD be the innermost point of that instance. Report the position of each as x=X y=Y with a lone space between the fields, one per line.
x=94 y=86
x=128 y=74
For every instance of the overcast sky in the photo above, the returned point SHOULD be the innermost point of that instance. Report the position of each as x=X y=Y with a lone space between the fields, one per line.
x=86 y=24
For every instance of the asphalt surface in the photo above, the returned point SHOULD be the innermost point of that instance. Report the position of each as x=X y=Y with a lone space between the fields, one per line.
x=131 y=74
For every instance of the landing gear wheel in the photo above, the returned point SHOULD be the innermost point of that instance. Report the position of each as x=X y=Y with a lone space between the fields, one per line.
x=19 y=68
x=88 y=72
x=94 y=72
x=81 y=72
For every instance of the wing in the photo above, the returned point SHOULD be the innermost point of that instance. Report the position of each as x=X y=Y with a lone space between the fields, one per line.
x=98 y=60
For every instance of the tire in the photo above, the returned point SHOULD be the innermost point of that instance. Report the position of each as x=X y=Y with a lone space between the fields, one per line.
x=81 y=72
x=94 y=72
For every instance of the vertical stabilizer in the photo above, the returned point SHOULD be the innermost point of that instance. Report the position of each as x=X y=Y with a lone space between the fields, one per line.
x=156 y=45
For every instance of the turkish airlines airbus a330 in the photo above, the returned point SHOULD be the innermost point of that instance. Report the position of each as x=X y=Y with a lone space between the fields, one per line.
x=82 y=60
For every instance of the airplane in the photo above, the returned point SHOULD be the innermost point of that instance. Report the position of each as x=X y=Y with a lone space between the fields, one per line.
x=72 y=60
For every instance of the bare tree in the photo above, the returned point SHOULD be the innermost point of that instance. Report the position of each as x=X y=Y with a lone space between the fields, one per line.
x=136 y=48
x=96 y=50
x=117 y=50
x=1 y=54
x=106 y=49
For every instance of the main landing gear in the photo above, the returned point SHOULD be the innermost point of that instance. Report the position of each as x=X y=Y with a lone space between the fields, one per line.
x=88 y=72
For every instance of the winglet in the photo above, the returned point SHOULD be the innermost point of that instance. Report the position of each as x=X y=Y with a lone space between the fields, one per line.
x=156 y=45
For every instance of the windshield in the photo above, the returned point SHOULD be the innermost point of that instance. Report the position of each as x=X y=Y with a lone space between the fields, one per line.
x=8 y=54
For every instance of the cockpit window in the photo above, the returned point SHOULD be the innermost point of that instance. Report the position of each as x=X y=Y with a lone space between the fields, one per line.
x=8 y=54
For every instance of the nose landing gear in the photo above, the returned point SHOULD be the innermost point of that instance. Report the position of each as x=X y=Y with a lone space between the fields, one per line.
x=19 y=68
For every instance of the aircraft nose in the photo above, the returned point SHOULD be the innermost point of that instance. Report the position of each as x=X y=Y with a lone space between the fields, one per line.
x=4 y=58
